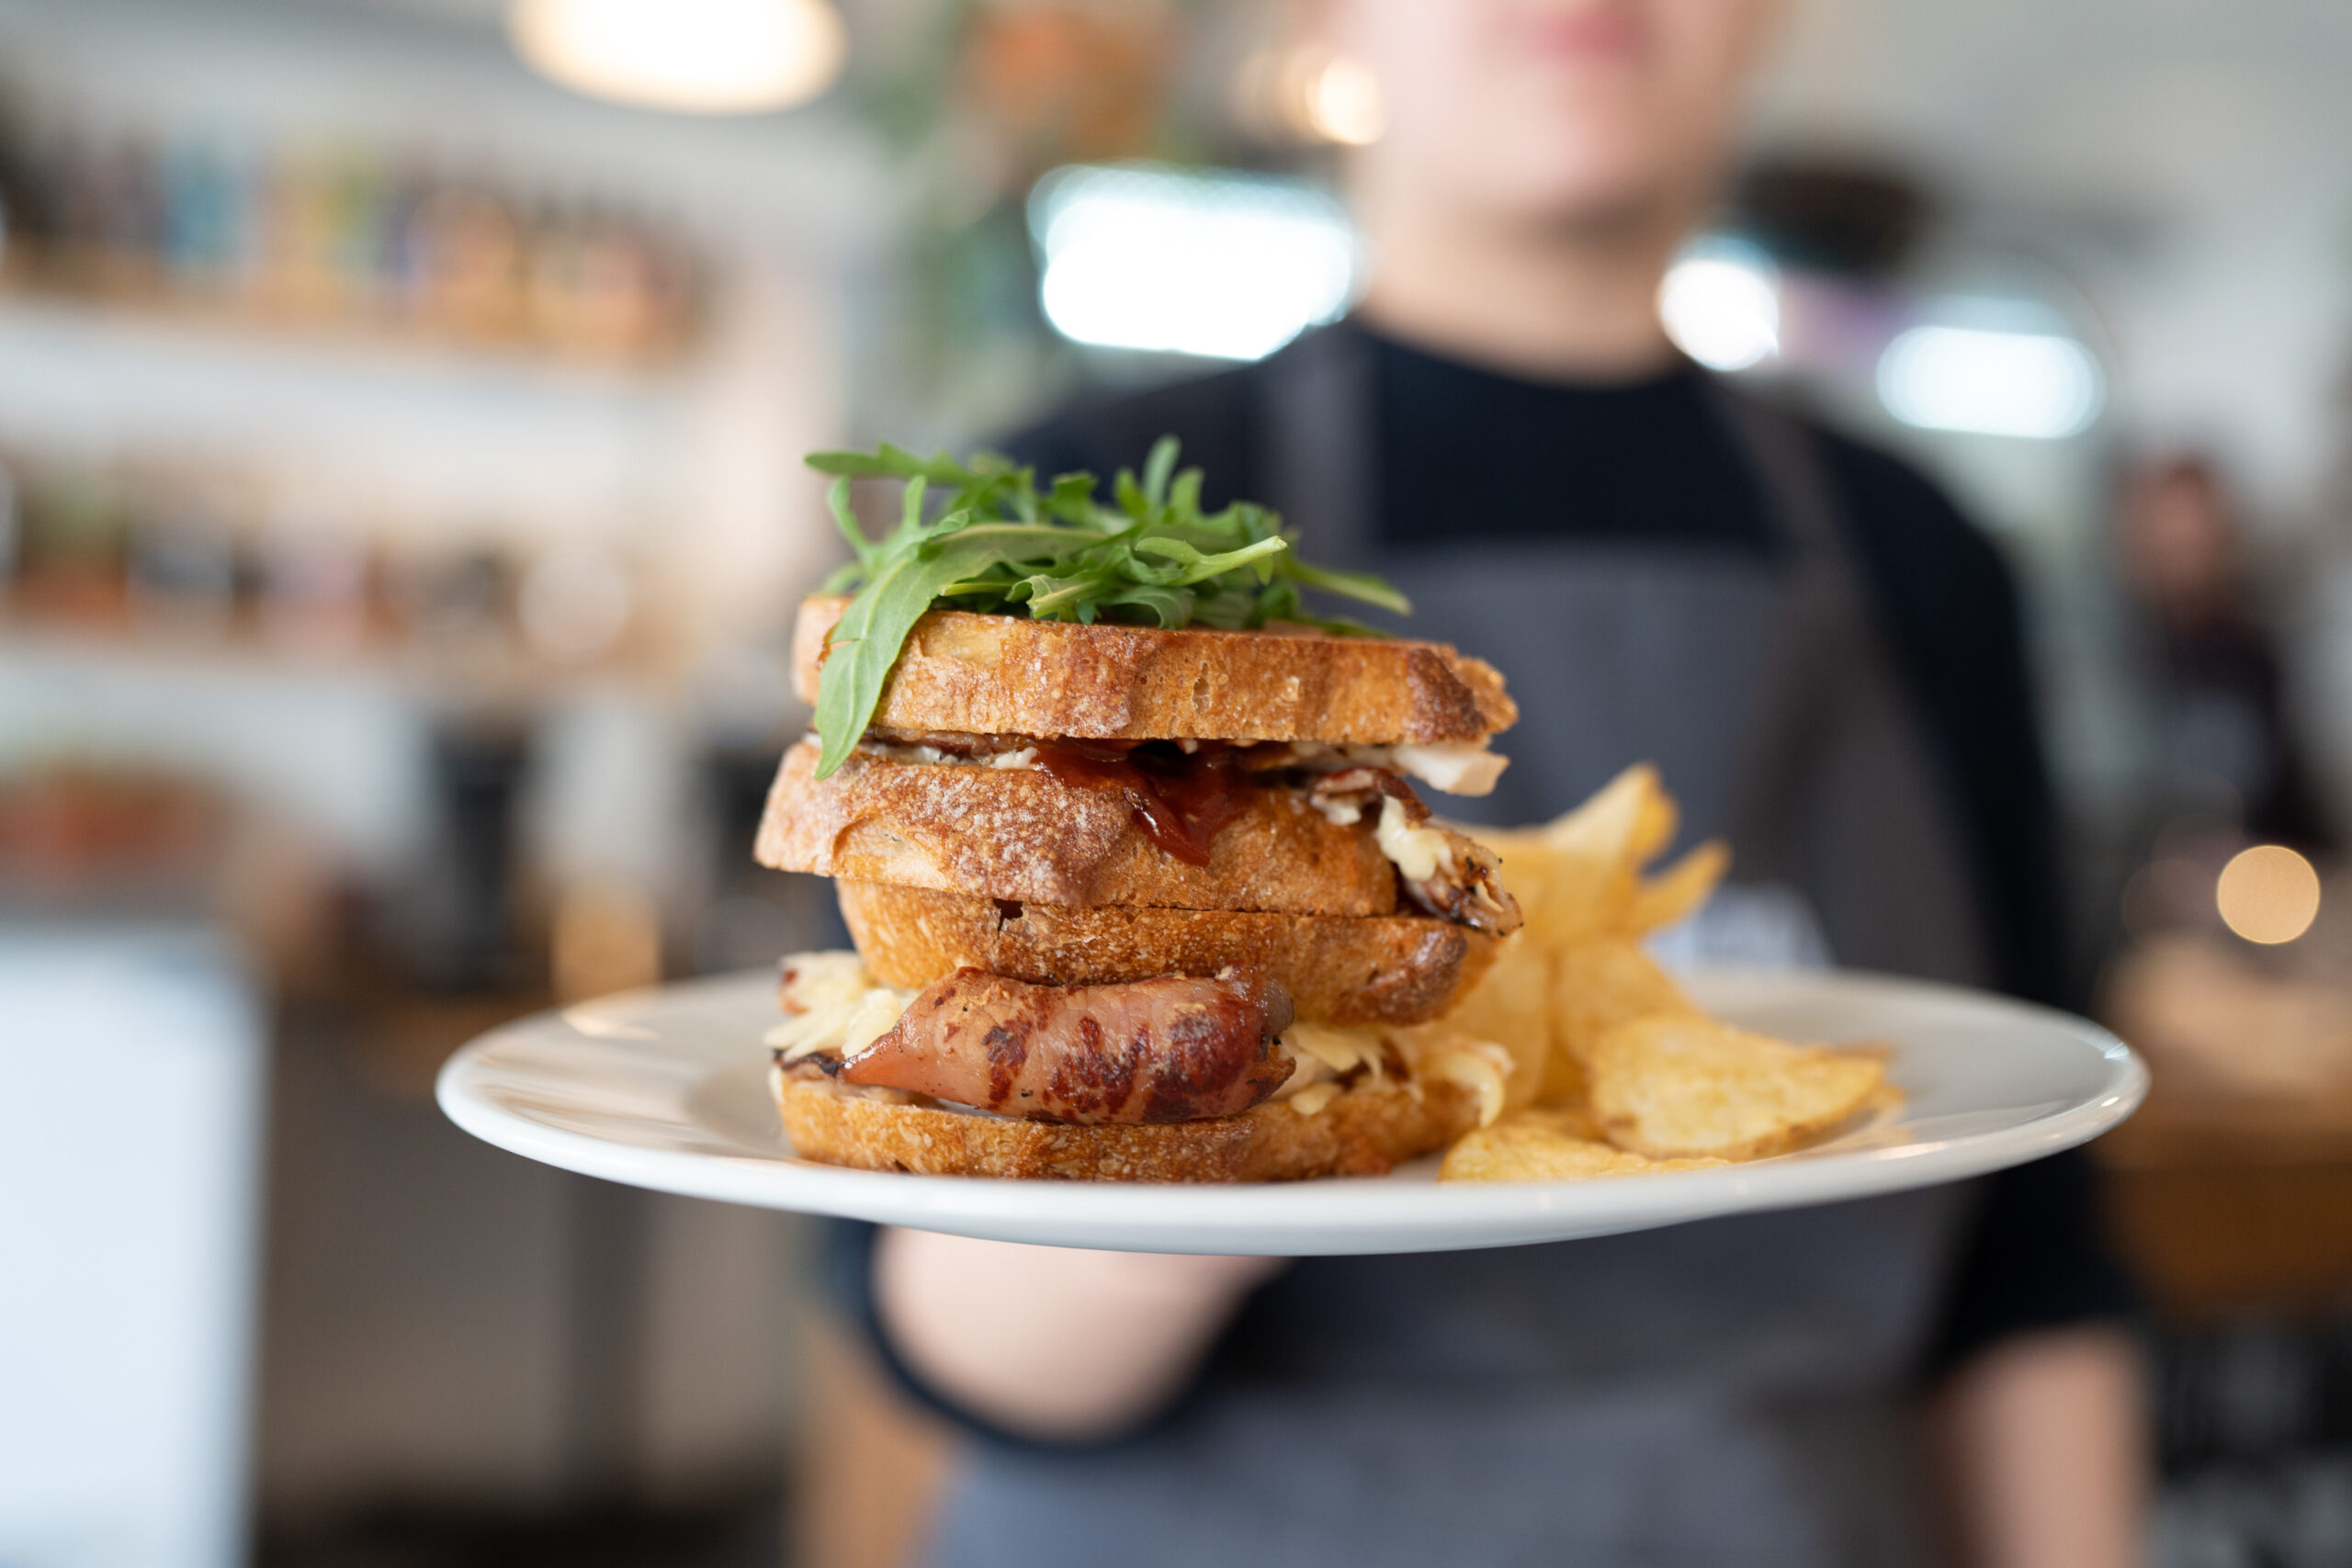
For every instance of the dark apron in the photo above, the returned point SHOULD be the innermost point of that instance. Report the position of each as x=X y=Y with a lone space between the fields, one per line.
x=1728 y=1392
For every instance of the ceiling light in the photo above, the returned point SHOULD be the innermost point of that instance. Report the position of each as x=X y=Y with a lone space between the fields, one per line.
x=1342 y=103
x=1220 y=264
x=690 y=56
x=1721 y=304
x=2037 y=385
x=1307 y=93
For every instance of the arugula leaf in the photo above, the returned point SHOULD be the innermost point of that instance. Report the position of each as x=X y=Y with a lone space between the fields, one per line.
x=999 y=545
x=866 y=641
x=1361 y=586
x=1157 y=469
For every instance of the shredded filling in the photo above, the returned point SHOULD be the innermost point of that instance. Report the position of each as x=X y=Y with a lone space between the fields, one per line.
x=1465 y=768
x=1184 y=793
x=1442 y=871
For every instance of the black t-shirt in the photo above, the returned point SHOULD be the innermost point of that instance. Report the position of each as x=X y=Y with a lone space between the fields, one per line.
x=1467 y=453
x=1638 y=462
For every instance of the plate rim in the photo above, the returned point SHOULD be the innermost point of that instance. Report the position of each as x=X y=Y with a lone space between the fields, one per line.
x=1349 y=1214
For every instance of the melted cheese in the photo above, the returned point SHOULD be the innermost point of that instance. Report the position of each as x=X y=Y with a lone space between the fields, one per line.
x=1339 y=810
x=1312 y=1099
x=832 y=1007
x=1326 y=1054
x=1340 y=1051
x=1475 y=1064
x=1418 y=852
x=814 y=980
x=1456 y=767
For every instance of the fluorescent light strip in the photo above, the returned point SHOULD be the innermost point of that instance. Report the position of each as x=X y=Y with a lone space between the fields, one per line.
x=2035 y=386
x=1221 y=266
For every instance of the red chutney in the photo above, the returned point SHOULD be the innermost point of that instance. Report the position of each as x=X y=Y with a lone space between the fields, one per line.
x=1183 y=801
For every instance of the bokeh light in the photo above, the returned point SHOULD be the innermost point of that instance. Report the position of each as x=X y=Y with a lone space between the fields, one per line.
x=1343 y=103
x=2267 y=894
x=2037 y=385
x=1224 y=265
x=1722 y=306
x=686 y=56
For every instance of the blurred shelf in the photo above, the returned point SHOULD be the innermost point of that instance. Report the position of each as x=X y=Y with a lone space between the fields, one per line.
x=2174 y=1132
x=416 y=668
x=147 y=338
x=2217 y=1240
x=405 y=1035
x=423 y=426
x=340 y=308
x=2225 y=1205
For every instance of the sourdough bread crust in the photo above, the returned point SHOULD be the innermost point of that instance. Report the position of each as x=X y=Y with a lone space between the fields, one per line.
x=1337 y=969
x=1008 y=675
x=1360 y=1133
x=1021 y=834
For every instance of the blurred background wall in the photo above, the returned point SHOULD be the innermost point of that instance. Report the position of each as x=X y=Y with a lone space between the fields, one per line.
x=401 y=511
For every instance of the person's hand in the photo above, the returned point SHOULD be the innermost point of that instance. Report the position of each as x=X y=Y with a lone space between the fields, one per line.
x=2044 y=1452
x=1048 y=1341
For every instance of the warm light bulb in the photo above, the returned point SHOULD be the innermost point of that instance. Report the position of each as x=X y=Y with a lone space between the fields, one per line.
x=2267 y=894
x=691 y=56
x=1343 y=103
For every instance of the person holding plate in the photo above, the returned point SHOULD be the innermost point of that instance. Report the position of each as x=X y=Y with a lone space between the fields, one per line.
x=1823 y=660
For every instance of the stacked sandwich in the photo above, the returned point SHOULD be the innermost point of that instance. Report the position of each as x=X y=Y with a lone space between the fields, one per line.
x=1135 y=903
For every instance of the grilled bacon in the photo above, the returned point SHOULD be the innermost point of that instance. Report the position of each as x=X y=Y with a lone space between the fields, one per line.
x=1174 y=1049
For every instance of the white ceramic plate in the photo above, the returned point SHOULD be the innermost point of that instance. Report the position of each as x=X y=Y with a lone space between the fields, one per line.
x=667 y=1088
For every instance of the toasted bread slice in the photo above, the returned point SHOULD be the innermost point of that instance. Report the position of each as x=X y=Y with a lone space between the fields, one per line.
x=1008 y=675
x=1336 y=968
x=1021 y=834
x=1362 y=1132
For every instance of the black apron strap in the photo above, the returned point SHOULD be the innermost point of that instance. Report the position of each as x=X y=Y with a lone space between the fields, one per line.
x=1839 y=762
x=1787 y=731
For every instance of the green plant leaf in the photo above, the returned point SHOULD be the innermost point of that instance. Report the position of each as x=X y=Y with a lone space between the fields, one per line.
x=861 y=547
x=1001 y=546
x=1199 y=567
x=866 y=642
x=1155 y=469
x=1361 y=586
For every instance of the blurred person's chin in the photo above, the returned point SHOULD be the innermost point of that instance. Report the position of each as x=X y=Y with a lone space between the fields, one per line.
x=1596 y=161
x=1594 y=178
x=1560 y=113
